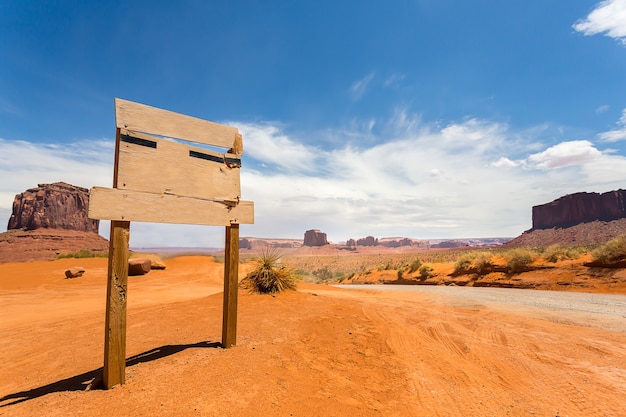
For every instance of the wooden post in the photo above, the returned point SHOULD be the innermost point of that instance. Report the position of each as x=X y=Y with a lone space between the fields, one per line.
x=115 y=323
x=231 y=286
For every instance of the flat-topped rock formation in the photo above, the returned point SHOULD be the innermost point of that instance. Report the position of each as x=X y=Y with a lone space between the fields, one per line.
x=573 y=209
x=52 y=206
x=315 y=237
x=48 y=221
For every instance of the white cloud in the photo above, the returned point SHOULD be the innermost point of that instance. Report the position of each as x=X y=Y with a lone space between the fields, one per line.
x=359 y=87
x=609 y=17
x=602 y=109
x=576 y=152
x=617 y=134
x=271 y=147
x=394 y=80
x=504 y=162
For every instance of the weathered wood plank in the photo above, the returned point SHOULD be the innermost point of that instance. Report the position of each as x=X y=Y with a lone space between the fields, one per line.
x=155 y=165
x=115 y=321
x=128 y=205
x=231 y=286
x=148 y=119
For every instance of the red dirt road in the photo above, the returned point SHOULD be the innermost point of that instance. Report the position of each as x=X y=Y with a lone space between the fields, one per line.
x=320 y=351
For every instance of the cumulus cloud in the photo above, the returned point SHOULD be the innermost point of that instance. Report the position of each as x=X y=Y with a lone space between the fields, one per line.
x=576 y=152
x=616 y=134
x=273 y=148
x=504 y=162
x=608 y=17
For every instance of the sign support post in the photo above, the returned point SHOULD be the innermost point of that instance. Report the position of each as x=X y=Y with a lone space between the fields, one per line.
x=231 y=285
x=115 y=322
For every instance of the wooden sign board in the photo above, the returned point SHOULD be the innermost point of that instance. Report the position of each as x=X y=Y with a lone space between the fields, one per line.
x=156 y=178
x=161 y=180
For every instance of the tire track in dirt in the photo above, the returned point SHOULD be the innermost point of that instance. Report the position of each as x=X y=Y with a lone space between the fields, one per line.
x=501 y=363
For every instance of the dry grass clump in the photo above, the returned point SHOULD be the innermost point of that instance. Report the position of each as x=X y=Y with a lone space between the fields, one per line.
x=480 y=263
x=518 y=260
x=426 y=271
x=463 y=264
x=558 y=252
x=270 y=276
x=612 y=252
x=83 y=253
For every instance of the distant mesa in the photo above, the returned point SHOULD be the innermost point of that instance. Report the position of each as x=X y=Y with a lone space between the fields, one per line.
x=388 y=242
x=581 y=218
x=47 y=221
x=314 y=237
x=449 y=244
x=578 y=208
x=367 y=241
x=254 y=243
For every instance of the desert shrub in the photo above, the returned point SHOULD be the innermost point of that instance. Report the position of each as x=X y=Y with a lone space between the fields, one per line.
x=464 y=263
x=270 y=276
x=414 y=265
x=518 y=260
x=483 y=263
x=425 y=271
x=400 y=273
x=557 y=252
x=83 y=253
x=323 y=274
x=218 y=259
x=553 y=253
x=611 y=252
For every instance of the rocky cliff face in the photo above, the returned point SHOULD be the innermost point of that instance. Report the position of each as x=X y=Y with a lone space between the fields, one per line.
x=315 y=238
x=52 y=206
x=578 y=208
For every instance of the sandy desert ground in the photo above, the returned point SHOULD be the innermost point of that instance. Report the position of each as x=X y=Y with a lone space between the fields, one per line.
x=320 y=351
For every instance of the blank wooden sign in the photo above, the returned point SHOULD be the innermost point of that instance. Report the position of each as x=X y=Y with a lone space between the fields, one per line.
x=158 y=179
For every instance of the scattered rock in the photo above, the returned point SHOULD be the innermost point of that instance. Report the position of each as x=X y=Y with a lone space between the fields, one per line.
x=139 y=266
x=157 y=264
x=74 y=272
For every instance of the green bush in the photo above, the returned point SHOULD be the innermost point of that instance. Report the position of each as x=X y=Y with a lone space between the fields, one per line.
x=414 y=265
x=518 y=260
x=483 y=263
x=463 y=265
x=270 y=276
x=323 y=274
x=400 y=273
x=425 y=271
x=556 y=252
x=611 y=252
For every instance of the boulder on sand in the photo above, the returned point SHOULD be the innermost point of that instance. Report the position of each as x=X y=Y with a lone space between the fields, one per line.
x=139 y=266
x=74 y=272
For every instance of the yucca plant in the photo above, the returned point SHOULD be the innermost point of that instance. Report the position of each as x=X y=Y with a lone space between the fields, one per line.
x=270 y=276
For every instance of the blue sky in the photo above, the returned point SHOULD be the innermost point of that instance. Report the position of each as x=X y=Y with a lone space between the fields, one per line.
x=422 y=118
